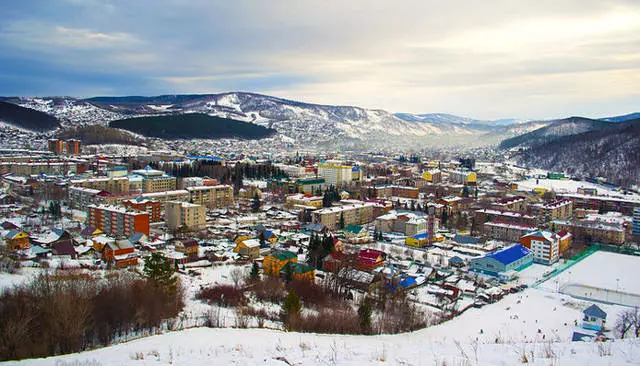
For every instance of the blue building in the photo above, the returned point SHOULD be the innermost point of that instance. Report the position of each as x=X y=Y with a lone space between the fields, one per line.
x=497 y=264
x=594 y=318
x=636 y=224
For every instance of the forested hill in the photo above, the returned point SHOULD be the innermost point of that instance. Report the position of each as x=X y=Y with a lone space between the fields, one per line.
x=192 y=125
x=613 y=153
x=27 y=118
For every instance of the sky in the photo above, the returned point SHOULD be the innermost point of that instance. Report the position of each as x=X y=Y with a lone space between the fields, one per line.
x=484 y=59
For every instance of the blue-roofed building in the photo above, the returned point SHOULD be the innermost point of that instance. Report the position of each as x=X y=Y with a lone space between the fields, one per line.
x=418 y=240
x=466 y=239
x=594 y=318
x=496 y=264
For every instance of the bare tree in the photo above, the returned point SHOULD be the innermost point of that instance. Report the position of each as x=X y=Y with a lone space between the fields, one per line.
x=236 y=274
x=625 y=322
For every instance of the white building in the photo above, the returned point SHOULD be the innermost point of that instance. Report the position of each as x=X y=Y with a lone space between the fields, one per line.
x=335 y=173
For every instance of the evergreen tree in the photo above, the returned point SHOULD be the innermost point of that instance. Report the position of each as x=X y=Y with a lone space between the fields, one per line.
x=292 y=304
x=341 y=222
x=465 y=191
x=254 y=275
x=364 y=313
x=255 y=204
x=158 y=269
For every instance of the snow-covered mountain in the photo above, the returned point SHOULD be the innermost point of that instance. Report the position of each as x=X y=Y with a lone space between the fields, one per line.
x=450 y=119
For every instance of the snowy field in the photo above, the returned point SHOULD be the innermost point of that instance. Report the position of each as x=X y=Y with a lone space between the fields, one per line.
x=509 y=331
x=570 y=186
x=602 y=276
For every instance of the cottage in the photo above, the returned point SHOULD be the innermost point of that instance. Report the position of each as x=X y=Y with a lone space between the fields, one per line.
x=370 y=259
x=594 y=318
x=17 y=239
x=499 y=263
x=121 y=253
x=299 y=271
x=248 y=248
x=274 y=262
x=64 y=248
x=187 y=246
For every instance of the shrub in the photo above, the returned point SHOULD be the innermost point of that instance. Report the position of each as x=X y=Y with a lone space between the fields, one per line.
x=223 y=295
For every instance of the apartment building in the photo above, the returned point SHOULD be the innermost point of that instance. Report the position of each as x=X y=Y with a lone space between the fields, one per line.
x=156 y=180
x=465 y=177
x=636 y=225
x=118 y=220
x=115 y=185
x=211 y=196
x=516 y=217
x=432 y=176
x=506 y=231
x=544 y=244
x=154 y=208
x=557 y=209
x=592 y=231
x=185 y=215
x=353 y=212
x=48 y=167
x=175 y=195
x=301 y=200
x=514 y=203
x=335 y=173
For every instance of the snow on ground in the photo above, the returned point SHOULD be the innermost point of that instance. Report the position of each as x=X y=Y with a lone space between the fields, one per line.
x=570 y=186
x=204 y=346
x=8 y=280
x=602 y=276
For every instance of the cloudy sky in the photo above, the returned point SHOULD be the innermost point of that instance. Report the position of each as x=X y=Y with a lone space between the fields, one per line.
x=483 y=59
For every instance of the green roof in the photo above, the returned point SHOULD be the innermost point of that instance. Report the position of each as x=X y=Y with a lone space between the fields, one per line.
x=284 y=255
x=310 y=181
x=354 y=229
x=299 y=268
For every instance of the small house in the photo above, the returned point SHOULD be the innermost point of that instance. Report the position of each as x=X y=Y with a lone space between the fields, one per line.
x=64 y=248
x=299 y=271
x=121 y=253
x=187 y=246
x=17 y=239
x=370 y=259
x=594 y=318
x=248 y=248
x=274 y=262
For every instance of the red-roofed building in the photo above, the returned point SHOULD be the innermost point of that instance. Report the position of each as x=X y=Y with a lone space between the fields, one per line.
x=370 y=259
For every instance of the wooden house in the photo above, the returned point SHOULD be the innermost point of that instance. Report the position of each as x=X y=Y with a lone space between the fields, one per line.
x=274 y=262
x=17 y=239
x=121 y=253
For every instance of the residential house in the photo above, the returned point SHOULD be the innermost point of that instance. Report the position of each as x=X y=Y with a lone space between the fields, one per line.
x=120 y=252
x=248 y=248
x=594 y=318
x=370 y=259
x=274 y=262
x=17 y=239
x=299 y=271
x=187 y=246
x=64 y=248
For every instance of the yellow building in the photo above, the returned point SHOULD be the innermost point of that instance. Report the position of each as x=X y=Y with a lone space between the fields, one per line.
x=248 y=248
x=301 y=271
x=276 y=261
x=184 y=215
x=353 y=213
x=17 y=239
x=335 y=173
x=211 y=196
x=116 y=185
x=432 y=176
x=303 y=200
x=418 y=240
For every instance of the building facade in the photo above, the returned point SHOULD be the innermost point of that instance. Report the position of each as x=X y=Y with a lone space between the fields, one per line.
x=118 y=221
x=185 y=216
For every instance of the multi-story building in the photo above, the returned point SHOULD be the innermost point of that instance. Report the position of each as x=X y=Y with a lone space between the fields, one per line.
x=335 y=173
x=636 y=224
x=301 y=200
x=56 y=146
x=514 y=203
x=184 y=215
x=516 y=217
x=80 y=197
x=175 y=195
x=155 y=180
x=73 y=147
x=191 y=182
x=118 y=221
x=544 y=244
x=506 y=231
x=396 y=191
x=351 y=211
x=465 y=177
x=154 y=208
x=432 y=176
x=592 y=231
x=48 y=167
x=602 y=203
x=211 y=196
x=557 y=209
x=116 y=185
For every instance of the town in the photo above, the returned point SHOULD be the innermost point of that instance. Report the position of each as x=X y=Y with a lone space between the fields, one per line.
x=385 y=243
